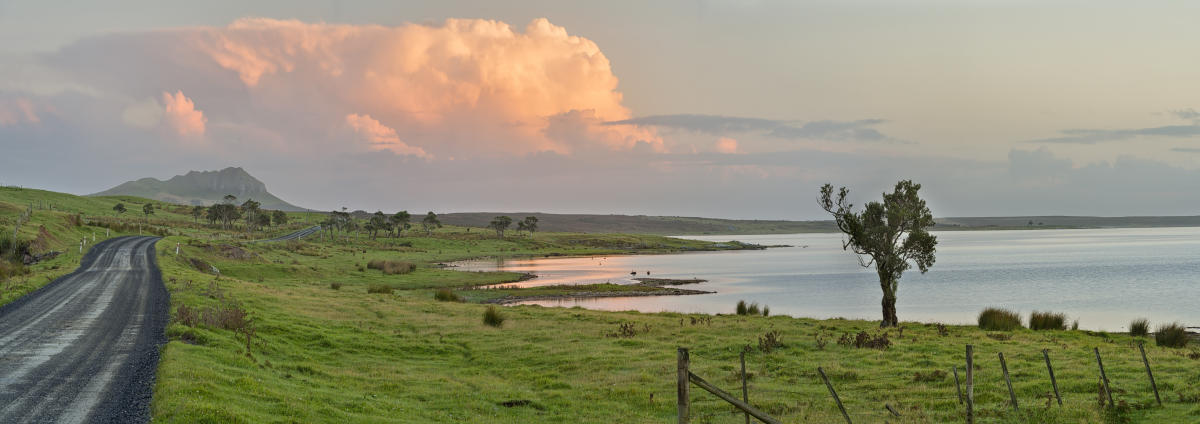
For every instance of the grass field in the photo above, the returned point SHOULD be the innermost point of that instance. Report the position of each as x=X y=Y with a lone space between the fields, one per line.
x=306 y=352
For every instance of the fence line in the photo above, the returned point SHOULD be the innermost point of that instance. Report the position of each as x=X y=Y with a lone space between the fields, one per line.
x=686 y=378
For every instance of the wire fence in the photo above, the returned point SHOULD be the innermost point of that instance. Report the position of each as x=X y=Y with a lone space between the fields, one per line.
x=999 y=383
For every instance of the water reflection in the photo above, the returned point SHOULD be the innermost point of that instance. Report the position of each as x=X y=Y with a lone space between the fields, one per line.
x=1104 y=278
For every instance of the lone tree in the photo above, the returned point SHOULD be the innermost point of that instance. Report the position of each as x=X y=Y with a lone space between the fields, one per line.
x=119 y=208
x=400 y=221
x=891 y=234
x=280 y=217
x=430 y=222
x=148 y=209
x=197 y=212
x=500 y=223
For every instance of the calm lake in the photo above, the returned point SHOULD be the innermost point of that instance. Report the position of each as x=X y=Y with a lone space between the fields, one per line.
x=1102 y=277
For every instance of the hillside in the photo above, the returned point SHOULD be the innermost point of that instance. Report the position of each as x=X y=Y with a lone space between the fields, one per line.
x=677 y=225
x=203 y=188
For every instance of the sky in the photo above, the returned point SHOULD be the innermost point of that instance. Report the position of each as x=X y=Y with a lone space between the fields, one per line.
x=718 y=108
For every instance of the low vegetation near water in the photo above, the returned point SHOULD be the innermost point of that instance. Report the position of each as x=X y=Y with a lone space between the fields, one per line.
x=289 y=347
x=998 y=319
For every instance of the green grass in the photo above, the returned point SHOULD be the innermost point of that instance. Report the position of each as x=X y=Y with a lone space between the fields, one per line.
x=309 y=353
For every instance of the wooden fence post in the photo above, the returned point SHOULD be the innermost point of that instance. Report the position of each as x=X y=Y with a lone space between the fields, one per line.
x=1011 y=394
x=892 y=410
x=1053 y=382
x=957 y=385
x=1150 y=374
x=1103 y=377
x=835 y=396
x=745 y=393
x=683 y=390
x=970 y=385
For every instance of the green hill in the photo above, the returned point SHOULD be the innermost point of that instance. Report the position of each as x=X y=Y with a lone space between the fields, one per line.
x=203 y=188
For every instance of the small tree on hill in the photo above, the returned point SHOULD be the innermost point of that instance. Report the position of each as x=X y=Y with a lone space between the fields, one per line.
x=280 y=217
x=400 y=221
x=148 y=209
x=378 y=222
x=430 y=222
x=500 y=223
x=528 y=224
x=887 y=234
x=119 y=209
x=197 y=212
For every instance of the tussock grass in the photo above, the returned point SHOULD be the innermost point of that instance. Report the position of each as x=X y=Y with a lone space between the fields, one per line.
x=997 y=319
x=380 y=289
x=391 y=267
x=493 y=317
x=1139 y=327
x=447 y=295
x=335 y=285
x=1047 y=321
x=1171 y=335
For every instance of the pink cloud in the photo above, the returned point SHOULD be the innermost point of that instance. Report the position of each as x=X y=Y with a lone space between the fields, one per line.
x=382 y=137
x=181 y=116
x=727 y=145
x=16 y=111
x=465 y=86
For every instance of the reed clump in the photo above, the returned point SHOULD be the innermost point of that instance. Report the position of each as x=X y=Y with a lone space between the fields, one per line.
x=997 y=319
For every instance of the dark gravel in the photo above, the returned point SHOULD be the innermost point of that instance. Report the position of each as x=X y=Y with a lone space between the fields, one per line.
x=85 y=347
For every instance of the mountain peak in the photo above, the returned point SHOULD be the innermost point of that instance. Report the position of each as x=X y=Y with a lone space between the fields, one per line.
x=203 y=188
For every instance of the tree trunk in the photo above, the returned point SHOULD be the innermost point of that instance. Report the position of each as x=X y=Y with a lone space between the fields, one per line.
x=888 y=284
x=889 y=311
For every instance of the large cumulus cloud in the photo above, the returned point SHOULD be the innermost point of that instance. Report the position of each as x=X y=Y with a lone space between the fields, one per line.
x=459 y=88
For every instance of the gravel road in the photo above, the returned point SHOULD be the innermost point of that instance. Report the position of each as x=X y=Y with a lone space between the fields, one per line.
x=85 y=347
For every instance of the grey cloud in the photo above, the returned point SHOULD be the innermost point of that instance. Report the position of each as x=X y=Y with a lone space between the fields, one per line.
x=1093 y=136
x=859 y=130
x=1188 y=113
x=1186 y=150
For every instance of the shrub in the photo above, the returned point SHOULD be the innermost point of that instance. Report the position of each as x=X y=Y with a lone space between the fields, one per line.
x=493 y=317
x=1047 y=321
x=766 y=311
x=335 y=286
x=741 y=307
x=380 y=288
x=1075 y=325
x=392 y=267
x=447 y=295
x=865 y=340
x=753 y=309
x=996 y=319
x=1171 y=335
x=1139 y=327
x=769 y=341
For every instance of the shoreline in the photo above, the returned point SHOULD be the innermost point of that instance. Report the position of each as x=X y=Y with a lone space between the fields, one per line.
x=512 y=299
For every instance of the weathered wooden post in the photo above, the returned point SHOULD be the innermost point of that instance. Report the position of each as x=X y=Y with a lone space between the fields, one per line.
x=892 y=410
x=1103 y=377
x=835 y=396
x=1053 y=382
x=682 y=389
x=1011 y=394
x=1148 y=373
x=745 y=392
x=970 y=385
x=957 y=385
